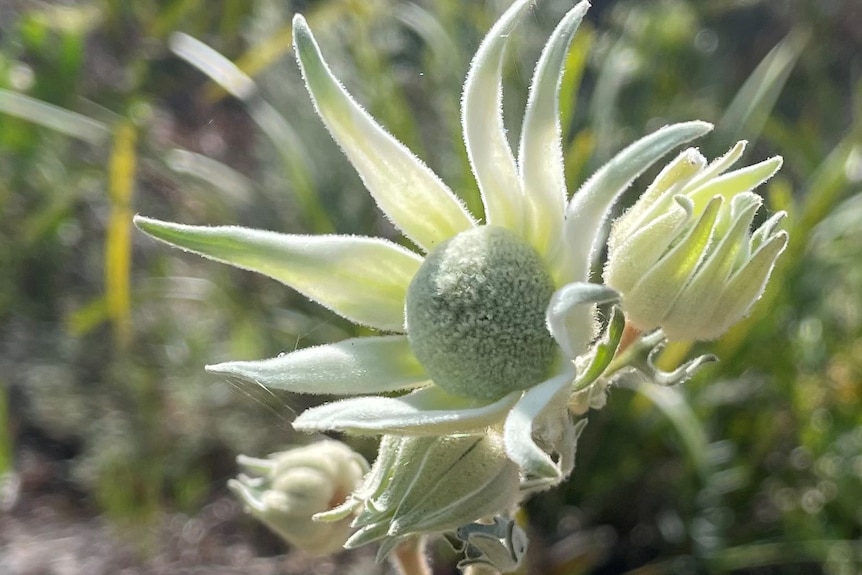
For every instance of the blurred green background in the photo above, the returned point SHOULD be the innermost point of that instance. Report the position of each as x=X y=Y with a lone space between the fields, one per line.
x=108 y=424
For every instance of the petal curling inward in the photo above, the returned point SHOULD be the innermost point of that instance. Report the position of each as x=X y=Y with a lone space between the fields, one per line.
x=518 y=429
x=590 y=205
x=405 y=189
x=484 y=132
x=362 y=279
x=540 y=155
x=429 y=411
x=361 y=365
x=573 y=331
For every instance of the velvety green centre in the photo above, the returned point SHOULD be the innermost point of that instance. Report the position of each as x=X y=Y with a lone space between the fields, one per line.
x=476 y=314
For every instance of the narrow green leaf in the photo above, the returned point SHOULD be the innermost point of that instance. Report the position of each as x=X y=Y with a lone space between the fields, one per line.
x=53 y=117
x=753 y=103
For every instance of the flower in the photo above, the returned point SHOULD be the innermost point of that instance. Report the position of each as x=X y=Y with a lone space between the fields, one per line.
x=683 y=257
x=482 y=322
x=290 y=487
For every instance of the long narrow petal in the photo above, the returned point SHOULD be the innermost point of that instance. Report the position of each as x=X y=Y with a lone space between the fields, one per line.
x=590 y=205
x=484 y=133
x=573 y=331
x=357 y=366
x=735 y=182
x=540 y=156
x=658 y=290
x=518 y=429
x=747 y=285
x=406 y=190
x=429 y=411
x=719 y=165
x=362 y=279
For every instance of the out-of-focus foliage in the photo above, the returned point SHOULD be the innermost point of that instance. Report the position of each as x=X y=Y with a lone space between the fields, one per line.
x=755 y=466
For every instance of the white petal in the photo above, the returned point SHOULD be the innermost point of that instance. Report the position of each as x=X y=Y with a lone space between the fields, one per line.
x=747 y=285
x=518 y=429
x=429 y=411
x=484 y=133
x=735 y=182
x=588 y=209
x=406 y=190
x=655 y=294
x=361 y=365
x=362 y=279
x=569 y=315
x=540 y=157
x=701 y=294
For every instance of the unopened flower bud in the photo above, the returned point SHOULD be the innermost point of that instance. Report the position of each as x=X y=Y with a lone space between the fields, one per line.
x=431 y=485
x=289 y=487
x=684 y=258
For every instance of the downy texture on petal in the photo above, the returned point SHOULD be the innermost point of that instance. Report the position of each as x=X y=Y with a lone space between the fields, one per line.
x=518 y=429
x=540 y=155
x=354 y=366
x=682 y=257
x=591 y=204
x=362 y=279
x=572 y=338
x=429 y=411
x=406 y=190
x=484 y=133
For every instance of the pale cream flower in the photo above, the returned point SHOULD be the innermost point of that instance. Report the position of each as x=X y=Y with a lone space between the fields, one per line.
x=481 y=323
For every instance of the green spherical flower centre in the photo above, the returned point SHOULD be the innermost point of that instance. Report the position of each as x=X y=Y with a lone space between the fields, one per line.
x=476 y=314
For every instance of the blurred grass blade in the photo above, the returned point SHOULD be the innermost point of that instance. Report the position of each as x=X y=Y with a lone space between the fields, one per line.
x=675 y=407
x=118 y=244
x=53 y=117
x=214 y=65
x=269 y=50
x=236 y=188
x=576 y=63
x=287 y=141
x=753 y=103
x=5 y=436
x=86 y=318
x=829 y=183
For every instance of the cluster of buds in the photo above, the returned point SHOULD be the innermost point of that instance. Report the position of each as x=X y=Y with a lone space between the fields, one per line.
x=683 y=256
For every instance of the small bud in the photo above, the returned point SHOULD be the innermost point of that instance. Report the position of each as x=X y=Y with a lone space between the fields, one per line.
x=291 y=486
x=430 y=485
x=683 y=257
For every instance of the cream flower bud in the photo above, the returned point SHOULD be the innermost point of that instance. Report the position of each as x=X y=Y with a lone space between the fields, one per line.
x=291 y=486
x=683 y=257
x=431 y=485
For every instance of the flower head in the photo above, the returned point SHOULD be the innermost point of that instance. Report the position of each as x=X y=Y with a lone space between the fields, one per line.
x=483 y=321
x=289 y=488
x=683 y=257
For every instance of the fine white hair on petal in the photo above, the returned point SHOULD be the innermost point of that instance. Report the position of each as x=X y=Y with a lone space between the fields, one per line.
x=484 y=132
x=405 y=189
